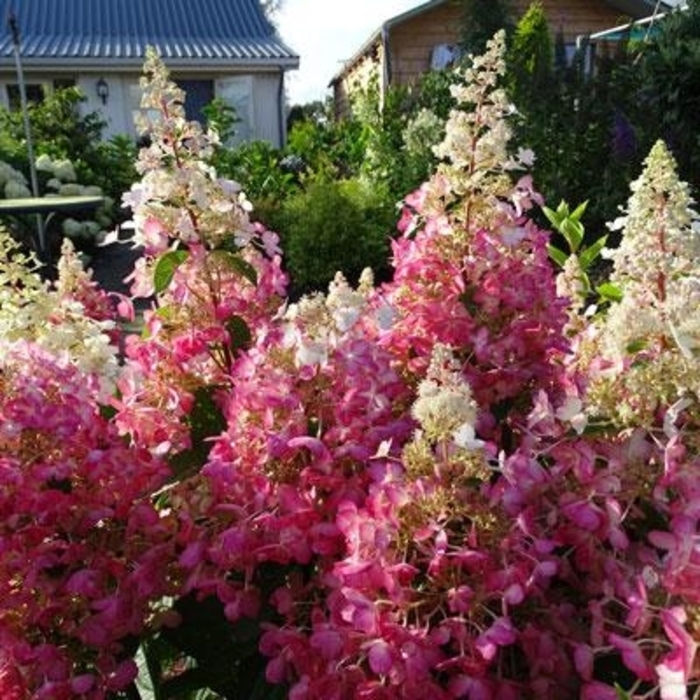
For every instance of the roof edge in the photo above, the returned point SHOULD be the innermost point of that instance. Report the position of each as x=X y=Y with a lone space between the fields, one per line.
x=117 y=65
x=378 y=33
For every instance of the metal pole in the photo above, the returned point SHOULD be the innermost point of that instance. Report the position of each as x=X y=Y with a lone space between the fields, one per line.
x=14 y=29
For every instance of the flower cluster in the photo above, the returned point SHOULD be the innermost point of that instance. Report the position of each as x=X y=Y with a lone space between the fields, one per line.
x=645 y=350
x=71 y=317
x=449 y=484
x=84 y=550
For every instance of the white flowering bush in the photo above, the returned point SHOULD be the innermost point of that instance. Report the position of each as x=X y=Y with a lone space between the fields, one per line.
x=70 y=318
x=58 y=178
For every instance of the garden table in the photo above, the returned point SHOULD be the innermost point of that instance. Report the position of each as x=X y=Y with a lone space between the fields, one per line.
x=49 y=205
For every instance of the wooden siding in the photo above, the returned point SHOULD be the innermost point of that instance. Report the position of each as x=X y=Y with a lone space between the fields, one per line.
x=579 y=17
x=411 y=43
x=367 y=69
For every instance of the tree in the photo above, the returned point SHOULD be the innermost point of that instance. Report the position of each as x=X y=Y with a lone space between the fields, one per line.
x=271 y=7
x=531 y=56
x=481 y=20
x=669 y=69
x=577 y=124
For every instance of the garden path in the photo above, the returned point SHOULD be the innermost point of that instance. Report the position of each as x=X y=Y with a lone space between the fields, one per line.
x=111 y=264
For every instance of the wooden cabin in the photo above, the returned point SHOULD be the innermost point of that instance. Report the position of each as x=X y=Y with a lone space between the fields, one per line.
x=410 y=44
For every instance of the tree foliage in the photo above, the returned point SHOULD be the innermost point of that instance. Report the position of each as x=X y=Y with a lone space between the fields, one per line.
x=669 y=76
x=481 y=19
x=531 y=56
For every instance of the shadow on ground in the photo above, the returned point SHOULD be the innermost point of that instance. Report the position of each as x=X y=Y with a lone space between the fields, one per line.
x=112 y=264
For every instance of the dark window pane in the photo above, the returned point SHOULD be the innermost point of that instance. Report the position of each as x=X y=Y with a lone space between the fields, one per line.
x=198 y=94
x=35 y=93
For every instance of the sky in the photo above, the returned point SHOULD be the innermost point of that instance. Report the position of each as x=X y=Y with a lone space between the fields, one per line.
x=324 y=33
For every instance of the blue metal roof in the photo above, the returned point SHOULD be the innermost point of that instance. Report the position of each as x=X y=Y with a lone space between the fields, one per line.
x=77 y=31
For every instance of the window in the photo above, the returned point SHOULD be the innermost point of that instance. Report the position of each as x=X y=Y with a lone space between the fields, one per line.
x=237 y=92
x=34 y=92
x=198 y=94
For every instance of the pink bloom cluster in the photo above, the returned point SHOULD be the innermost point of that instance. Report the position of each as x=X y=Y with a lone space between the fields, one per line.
x=84 y=550
x=76 y=284
x=490 y=293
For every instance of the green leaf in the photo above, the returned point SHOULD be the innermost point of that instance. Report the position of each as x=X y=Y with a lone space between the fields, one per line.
x=166 y=313
x=188 y=462
x=144 y=680
x=573 y=232
x=568 y=223
x=621 y=693
x=205 y=420
x=237 y=264
x=186 y=683
x=609 y=292
x=226 y=655
x=239 y=332
x=558 y=255
x=552 y=216
x=592 y=252
x=636 y=346
x=577 y=213
x=165 y=269
x=107 y=412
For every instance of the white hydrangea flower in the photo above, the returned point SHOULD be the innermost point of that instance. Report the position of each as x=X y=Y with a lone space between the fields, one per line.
x=72 y=228
x=650 y=340
x=71 y=189
x=44 y=163
x=659 y=226
x=8 y=174
x=16 y=190
x=445 y=408
x=64 y=171
x=32 y=310
x=344 y=303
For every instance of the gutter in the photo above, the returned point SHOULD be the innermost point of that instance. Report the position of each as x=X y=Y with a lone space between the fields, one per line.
x=645 y=24
x=112 y=64
x=281 y=111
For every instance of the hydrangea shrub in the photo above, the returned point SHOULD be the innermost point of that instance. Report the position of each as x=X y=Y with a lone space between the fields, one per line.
x=458 y=483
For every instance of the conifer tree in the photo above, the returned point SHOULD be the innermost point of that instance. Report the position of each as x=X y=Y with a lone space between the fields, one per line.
x=481 y=19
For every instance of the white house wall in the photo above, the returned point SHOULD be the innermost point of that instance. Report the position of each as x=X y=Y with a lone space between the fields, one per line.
x=256 y=97
x=267 y=95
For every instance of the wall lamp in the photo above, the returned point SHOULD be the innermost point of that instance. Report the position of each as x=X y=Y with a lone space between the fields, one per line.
x=102 y=90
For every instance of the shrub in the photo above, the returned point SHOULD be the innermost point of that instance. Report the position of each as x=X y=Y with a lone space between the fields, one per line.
x=668 y=69
x=330 y=148
x=334 y=226
x=61 y=132
x=480 y=20
x=57 y=127
x=531 y=57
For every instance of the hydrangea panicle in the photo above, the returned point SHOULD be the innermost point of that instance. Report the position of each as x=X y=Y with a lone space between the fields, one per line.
x=645 y=345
